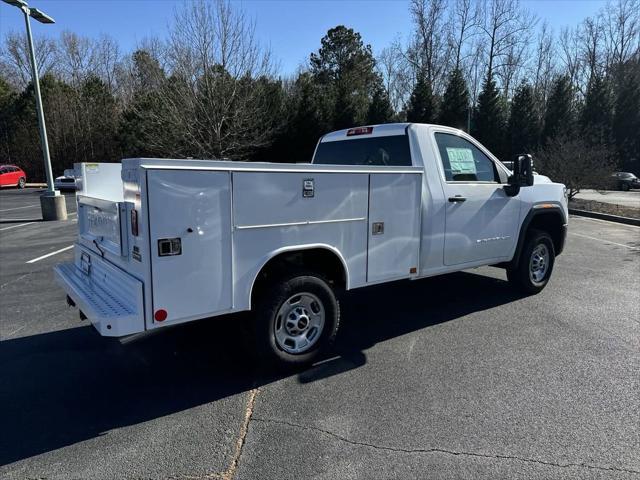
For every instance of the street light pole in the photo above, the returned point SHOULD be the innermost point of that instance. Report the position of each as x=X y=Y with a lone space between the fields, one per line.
x=41 y=122
x=52 y=203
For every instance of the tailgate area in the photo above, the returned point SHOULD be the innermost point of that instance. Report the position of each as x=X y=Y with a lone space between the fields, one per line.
x=111 y=298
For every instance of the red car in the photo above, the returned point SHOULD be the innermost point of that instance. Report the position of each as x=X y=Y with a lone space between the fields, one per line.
x=12 y=176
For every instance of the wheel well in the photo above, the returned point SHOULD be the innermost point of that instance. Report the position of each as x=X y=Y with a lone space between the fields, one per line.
x=318 y=260
x=550 y=222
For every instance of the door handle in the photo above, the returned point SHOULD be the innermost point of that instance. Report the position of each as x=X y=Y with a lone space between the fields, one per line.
x=457 y=198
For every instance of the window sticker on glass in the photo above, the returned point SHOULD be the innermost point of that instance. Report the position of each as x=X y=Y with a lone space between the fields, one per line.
x=461 y=161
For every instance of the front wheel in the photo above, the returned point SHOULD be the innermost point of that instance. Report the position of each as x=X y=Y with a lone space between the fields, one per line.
x=22 y=182
x=535 y=265
x=296 y=319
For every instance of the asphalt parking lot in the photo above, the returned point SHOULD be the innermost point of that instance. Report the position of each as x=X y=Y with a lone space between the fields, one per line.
x=625 y=199
x=448 y=377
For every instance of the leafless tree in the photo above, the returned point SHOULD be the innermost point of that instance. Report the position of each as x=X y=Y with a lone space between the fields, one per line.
x=430 y=51
x=506 y=28
x=397 y=74
x=214 y=101
x=576 y=164
x=622 y=31
x=465 y=22
x=475 y=68
x=543 y=68
x=388 y=66
x=75 y=59
x=571 y=57
x=592 y=46
x=106 y=59
x=511 y=69
x=14 y=58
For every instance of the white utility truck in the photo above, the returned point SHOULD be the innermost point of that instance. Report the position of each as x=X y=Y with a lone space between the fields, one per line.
x=163 y=242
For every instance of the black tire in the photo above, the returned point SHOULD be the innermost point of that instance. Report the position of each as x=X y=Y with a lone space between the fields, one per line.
x=625 y=187
x=520 y=276
x=267 y=308
x=21 y=182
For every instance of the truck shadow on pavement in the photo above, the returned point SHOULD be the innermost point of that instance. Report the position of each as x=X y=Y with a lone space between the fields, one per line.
x=67 y=386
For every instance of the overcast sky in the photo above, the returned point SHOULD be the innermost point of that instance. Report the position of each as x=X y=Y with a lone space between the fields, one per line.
x=291 y=28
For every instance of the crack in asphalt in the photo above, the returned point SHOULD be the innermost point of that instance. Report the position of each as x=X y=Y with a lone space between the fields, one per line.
x=230 y=472
x=442 y=450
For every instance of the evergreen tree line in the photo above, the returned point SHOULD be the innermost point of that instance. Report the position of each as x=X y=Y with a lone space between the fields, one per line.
x=577 y=101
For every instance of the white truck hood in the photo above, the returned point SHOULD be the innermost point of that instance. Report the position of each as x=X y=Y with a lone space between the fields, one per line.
x=538 y=179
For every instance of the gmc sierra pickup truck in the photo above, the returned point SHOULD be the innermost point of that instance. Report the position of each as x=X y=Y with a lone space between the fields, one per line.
x=163 y=242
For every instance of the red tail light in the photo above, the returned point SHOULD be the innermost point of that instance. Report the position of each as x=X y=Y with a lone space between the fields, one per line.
x=359 y=131
x=160 y=315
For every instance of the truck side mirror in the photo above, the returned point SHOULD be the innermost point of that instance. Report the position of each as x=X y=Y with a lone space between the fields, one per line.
x=525 y=169
x=522 y=175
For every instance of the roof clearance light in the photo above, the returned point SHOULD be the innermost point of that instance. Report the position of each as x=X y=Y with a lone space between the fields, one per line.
x=359 y=131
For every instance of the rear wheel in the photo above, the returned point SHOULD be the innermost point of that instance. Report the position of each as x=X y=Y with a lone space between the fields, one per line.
x=535 y=265
x=296 y=319
x=22 y=182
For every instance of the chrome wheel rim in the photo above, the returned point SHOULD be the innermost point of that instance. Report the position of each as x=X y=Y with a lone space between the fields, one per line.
x=299 y=323
x=539 y=264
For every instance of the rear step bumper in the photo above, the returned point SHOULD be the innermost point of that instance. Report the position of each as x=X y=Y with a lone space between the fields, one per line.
x=109 y=297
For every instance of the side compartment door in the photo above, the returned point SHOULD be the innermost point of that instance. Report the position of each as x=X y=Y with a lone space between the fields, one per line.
x=394 y=225
x=190 y=235
x=480 y=219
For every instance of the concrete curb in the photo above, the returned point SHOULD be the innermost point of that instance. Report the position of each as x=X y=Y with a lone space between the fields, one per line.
x=606 y=216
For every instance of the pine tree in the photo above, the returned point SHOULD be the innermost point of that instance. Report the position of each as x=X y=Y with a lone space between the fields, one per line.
x=344 y=68
x=626 y=121
x=596 y=118
x=559 y=119
x=147 y=73
x=7 y=101
x=380 y=109
x=307 y=121
x=99 y=116
x=454 y=110
x=422 y=104
x=524 y=126
x=490 y=119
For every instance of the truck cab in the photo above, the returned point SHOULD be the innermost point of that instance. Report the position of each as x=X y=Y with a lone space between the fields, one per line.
x=168 y=241
x=471 y=213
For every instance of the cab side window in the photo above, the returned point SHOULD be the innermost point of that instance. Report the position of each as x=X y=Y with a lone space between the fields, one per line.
x=463 y=161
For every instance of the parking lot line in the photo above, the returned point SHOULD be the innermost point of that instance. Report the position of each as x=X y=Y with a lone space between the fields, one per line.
x=606 y=222
x=604 y=240
x=16 y=226
x=19 y=208
x=50 y=254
